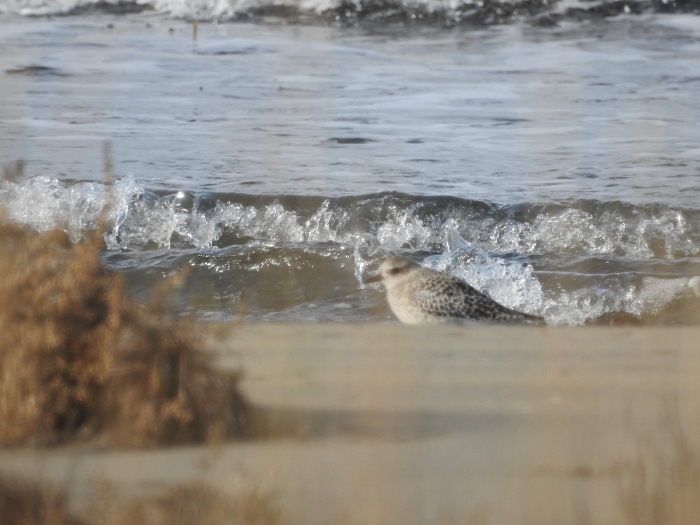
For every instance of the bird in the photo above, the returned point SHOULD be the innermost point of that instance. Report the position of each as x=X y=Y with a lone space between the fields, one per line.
x=419 y=295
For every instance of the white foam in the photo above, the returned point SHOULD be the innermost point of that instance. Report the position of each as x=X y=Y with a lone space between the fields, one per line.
x=578 y=306
x=207 y=9
x=694 y=284
x=511 y=283
x=44 y=204
x=199 y=9
x=138 y=217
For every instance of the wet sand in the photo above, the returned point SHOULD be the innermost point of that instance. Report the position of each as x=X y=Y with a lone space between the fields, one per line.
x=369 y=424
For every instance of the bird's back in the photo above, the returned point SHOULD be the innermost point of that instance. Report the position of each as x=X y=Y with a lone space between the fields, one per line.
x=444 y=298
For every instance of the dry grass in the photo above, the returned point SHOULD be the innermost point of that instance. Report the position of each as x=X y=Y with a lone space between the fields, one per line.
x=79 y=358
x=188 y=504
x=23 y=503
x=662 y=487
x=60 y=317
x=164 y=389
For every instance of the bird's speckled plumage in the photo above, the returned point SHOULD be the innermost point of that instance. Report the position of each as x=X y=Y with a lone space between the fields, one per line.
x=420 y=295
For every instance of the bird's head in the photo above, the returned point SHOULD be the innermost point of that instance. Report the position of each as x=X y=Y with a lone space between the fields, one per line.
x=393 y=270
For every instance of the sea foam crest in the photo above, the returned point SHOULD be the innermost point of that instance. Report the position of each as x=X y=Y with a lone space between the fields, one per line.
x=510 y=282
x=578 y=306
x=202 y=9
x=199 y=9
x=442 y=13
x=137 y=217
x=45 y=204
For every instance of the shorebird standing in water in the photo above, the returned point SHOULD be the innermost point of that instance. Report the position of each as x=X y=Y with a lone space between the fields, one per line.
x=420 y=295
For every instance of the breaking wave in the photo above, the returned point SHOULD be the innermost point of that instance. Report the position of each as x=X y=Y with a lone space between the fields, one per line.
x=138 y=218
x=444 y=13
x=569 y=262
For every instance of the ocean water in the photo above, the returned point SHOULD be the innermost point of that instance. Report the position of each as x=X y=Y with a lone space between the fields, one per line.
x=548 y=154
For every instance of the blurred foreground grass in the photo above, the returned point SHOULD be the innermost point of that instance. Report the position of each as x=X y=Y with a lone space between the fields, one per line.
x=79 y=359
x=23 y=503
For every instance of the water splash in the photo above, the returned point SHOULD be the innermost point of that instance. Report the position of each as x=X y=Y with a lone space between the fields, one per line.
x=576 y=307
x=510 y=282
x=44 y=204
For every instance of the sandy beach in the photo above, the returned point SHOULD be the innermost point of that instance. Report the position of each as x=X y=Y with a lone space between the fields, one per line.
x=387 y=424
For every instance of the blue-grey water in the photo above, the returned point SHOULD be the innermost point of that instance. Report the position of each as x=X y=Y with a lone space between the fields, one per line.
x=555 y=165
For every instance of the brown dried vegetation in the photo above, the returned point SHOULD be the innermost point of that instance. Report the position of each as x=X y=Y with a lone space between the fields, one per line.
x=79 y=358
x=662 y=486
x=22 y=503
x=188 y=504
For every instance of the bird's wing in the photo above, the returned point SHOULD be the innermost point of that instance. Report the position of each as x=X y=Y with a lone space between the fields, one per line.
x=448 y=296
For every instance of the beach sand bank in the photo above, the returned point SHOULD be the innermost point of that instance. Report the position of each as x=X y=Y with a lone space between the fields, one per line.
x=369 y=424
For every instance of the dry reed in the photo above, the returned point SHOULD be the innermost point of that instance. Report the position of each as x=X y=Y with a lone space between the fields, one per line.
x=662 y=486
x=23 y=503
x=79 y=358
x=188 y=504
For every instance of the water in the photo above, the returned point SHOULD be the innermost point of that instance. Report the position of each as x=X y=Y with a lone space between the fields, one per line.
x=551 y=161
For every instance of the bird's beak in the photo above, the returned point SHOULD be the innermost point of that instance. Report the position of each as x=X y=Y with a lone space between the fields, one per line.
x=372 y=279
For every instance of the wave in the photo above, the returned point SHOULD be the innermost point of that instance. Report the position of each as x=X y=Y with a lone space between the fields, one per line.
x=445 y=13
x=139 y=218
x=571 y=262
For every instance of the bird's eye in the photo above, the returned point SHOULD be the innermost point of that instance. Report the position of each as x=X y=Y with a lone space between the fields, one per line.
x=394 y=271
